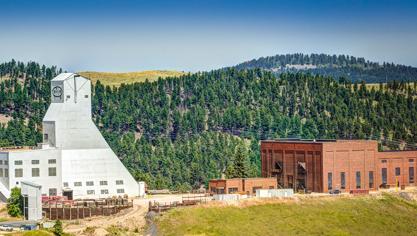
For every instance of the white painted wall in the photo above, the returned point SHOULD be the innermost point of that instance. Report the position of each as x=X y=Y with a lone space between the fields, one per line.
x=44 y=179
x=96 y=165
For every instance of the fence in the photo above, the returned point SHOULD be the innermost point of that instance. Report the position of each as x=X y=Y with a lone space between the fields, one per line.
x=185 y=201
x=79 y=209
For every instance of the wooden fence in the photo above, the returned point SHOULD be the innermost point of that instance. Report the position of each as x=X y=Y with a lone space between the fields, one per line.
x=71 y=210
x=186 y=201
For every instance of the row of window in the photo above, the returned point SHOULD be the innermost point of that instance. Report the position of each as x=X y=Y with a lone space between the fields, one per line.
x=91 y=183
x=370 y=176
x=385 y=161
x=53 y=191
x=34 y=162
x=104 y=191
x=343 y=180
x=18 y=172
x=5 y=162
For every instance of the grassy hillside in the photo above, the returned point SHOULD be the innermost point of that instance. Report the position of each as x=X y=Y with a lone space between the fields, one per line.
x=109 y=78
x=385 y=215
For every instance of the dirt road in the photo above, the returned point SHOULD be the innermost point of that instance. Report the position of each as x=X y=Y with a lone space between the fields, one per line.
x=127 y=222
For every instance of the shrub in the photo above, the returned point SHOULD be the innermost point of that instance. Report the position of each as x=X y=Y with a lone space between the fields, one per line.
x=58 y=228
x=15 y=203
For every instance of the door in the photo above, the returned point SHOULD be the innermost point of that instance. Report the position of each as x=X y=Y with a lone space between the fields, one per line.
x=68 y=194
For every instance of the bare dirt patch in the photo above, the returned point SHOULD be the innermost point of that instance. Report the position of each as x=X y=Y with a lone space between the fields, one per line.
x=127 y=222
x=4 y=119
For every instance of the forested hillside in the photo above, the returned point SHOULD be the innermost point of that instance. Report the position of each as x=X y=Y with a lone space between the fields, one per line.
x=355 y=69
x=180 y=132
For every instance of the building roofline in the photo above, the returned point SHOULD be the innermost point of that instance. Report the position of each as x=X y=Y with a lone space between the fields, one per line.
x=319 y=141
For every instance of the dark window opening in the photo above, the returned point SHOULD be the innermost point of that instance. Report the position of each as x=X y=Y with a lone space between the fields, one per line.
x=371 y=179
x=255 y=188
x=411 y=174
x=383 y=161
x=411 y=160
x=232 y=190
x=397 y=171
x=358 y=179
x=329 y=180
x=278 y=165
x=384 y=175
x=342 y=180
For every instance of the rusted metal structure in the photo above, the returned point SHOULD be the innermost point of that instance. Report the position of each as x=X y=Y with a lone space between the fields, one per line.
x=63 y=209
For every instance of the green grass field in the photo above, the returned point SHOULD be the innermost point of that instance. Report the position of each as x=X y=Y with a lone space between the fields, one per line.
x=117 y=79
x=385 y=215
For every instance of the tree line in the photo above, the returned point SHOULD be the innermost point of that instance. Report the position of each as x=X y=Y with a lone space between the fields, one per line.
x=354 y=68
x=180 y=132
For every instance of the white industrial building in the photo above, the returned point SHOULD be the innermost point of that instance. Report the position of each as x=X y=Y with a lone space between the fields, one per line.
x=74 y=159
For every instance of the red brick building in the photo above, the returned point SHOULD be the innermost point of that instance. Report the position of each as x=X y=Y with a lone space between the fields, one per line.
x=322 y=166
x=244 y=186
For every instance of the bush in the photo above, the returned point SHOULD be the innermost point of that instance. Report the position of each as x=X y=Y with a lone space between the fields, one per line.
x=15 y=203
x=58 y=228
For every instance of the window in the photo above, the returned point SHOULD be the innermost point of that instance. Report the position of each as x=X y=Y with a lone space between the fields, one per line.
x=90 y=192
x=103 y=182
x=119 y=182
x=52 y=192
x=18 y=172
x=383 y=161
x=120 y=190
x=35 y=172
x=371 y=179
x=232 y=190
x=255 y=188
x=329 y=181
x=410 y=160
x=6 y=172
x=78 y=184
x=18 y=163
x=384 y=175
x=85 y=96
x=52 y=171
x=65 y=184
x=1 y=172
x=411 y=174
x=397 y=171
x=358 y=179
x=45 y=137
x=68 y=96
x=89 y=183
x=104 y=191
x=1 y=162
x=342 y=180
x=35 y=162
x=6 y=162
x=52 y=161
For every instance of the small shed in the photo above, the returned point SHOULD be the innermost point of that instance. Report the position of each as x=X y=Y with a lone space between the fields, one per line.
x=142 y=189
x=32 y=200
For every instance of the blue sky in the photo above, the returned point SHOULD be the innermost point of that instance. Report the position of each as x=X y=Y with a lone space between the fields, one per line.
x=201 y=35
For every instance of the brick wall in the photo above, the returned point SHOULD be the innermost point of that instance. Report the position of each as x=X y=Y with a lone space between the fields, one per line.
x=341 y=157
